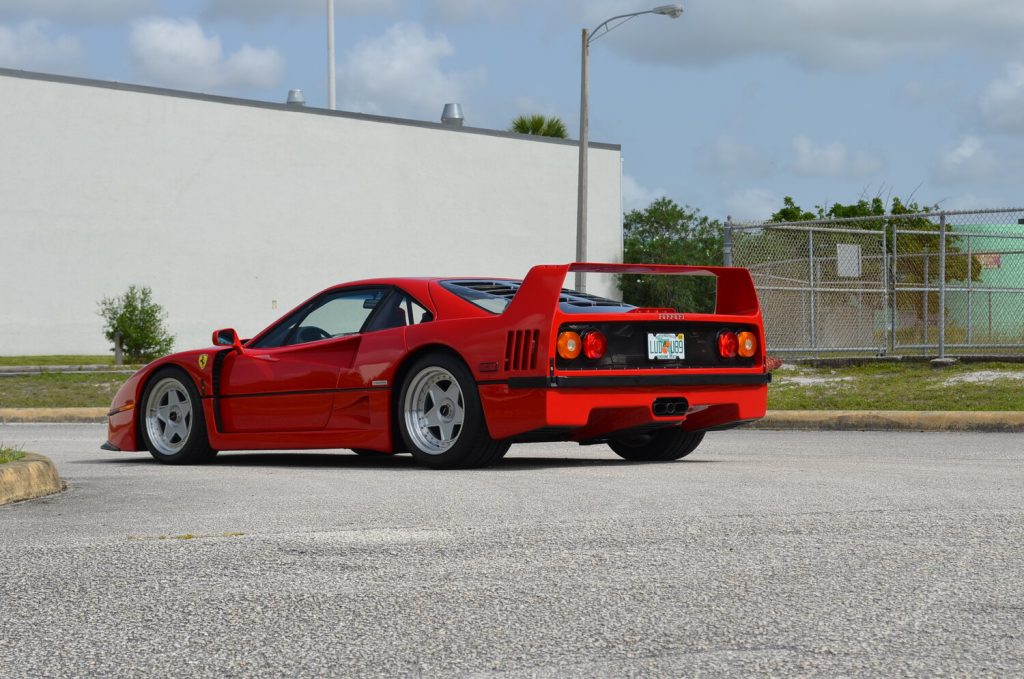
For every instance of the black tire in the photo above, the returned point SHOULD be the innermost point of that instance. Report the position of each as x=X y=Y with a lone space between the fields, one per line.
x=451 y=443
x=171 y=419
x=661 y=446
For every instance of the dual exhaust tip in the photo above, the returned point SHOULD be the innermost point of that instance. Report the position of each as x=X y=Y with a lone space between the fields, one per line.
x=670 y=407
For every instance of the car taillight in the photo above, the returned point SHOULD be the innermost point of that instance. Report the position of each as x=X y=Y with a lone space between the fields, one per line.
x=727 y=344
x=569 y=345
x=594 y=344
x=747 y=344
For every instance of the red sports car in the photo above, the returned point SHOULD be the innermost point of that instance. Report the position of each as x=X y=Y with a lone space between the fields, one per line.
x=455 y=370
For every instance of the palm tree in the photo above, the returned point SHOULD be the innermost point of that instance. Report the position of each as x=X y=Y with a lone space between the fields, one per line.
x=539 y=125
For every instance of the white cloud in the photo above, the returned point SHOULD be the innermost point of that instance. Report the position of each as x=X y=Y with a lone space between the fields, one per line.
x=491 y=10
x=971 y=159
x=261 y=10
x=831 y=160
x=637 y=197
x=752 y=204
x=929 y=92
x=399 y=73
x=76 y=10
x=816 y=33
x=732 y=156
x=28 y=46
x=178 y=53
x=1002 y=104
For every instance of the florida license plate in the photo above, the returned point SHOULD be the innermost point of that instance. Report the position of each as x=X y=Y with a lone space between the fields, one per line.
x=665 y=346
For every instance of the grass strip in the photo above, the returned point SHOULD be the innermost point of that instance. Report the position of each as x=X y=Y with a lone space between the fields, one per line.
x=58 y=359
x=877 y=386
x=59 y=390
x=899 y=386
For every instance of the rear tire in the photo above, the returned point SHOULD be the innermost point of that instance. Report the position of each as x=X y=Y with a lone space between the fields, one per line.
x=173 y=425
x=662 y=446
x=440 y=416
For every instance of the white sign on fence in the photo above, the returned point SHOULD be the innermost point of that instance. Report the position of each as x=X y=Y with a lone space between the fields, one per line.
x=848 y=260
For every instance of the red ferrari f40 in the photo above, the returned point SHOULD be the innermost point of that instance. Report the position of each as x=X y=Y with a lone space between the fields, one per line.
x=456 y=370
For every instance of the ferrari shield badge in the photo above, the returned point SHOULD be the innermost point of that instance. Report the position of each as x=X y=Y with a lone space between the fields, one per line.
x=202 y=361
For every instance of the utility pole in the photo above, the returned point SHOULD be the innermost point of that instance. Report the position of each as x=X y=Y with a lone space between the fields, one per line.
x=331 y=85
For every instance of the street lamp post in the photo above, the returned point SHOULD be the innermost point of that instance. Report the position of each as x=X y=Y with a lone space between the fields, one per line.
x=331 y=81
x=673 y=11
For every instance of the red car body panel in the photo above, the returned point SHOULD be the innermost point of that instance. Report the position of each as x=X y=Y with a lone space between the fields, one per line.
x=342 y=392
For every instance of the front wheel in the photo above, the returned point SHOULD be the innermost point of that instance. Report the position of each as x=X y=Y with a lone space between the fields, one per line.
x=441 y=418
x=662 y=446
x=173 y=425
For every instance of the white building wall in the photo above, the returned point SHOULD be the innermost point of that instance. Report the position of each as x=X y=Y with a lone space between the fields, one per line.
x=234 y=213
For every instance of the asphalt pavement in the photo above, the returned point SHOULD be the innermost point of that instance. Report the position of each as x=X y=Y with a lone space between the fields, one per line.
x=764 y=552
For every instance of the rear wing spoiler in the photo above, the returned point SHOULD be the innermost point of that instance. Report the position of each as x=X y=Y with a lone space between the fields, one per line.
x=542 y=286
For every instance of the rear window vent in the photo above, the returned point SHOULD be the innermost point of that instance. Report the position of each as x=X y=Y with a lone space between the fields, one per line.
x=506 y=289
x=495 y=296
x=521 y=349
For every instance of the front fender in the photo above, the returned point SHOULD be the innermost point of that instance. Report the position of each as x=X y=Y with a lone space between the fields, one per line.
x=125 y=409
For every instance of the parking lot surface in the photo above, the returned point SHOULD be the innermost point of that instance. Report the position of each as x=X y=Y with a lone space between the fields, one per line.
x=785 y=553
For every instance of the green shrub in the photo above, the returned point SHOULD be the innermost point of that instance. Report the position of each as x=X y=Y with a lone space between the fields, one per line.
x=10 y=455
x=140 y=321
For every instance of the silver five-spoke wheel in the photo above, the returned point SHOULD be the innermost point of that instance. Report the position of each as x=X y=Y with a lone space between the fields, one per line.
x=434 y=410
x=168 y=416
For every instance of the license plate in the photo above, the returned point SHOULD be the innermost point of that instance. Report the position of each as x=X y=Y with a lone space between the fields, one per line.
x=665 y=346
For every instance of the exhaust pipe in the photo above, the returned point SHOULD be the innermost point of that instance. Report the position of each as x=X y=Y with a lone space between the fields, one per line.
x=670 y=407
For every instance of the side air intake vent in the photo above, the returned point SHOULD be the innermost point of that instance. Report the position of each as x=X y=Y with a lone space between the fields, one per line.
x=521 y=349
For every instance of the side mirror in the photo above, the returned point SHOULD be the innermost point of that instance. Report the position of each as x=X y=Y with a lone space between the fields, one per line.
x=227 y=337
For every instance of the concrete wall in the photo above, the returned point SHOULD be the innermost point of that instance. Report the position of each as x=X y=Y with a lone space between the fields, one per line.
x=233 y=212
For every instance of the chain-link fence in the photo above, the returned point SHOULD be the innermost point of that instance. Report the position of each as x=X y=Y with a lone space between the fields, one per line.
x=930 y=284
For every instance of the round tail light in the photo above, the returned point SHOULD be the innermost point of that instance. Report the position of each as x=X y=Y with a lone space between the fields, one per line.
x=595 y=344
x=728 y=344
x=569 y=345
x=747 y=344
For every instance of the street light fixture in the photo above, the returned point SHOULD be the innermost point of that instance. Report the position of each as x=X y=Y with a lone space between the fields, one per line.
x=673 y=11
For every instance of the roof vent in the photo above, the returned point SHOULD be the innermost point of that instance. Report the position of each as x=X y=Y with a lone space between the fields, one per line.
x=296 y=98
x=452 y=115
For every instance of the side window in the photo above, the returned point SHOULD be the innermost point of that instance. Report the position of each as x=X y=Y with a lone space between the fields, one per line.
x=417 y=314
x=341 y=313
x=398 y=310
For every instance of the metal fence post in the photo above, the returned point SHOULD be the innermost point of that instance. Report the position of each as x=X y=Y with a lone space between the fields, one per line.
x=118 y=351
x=885 y=288
x=810 y=291
x=727 y=242
x=924 y=299
x=970 y=306
x=892 y=301
x=942 y=285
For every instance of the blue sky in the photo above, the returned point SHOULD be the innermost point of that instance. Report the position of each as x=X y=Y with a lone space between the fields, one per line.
x=728 y=108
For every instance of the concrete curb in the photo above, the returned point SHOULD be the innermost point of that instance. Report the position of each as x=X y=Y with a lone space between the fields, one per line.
x=74 y=415
x=817 y=420
x=892 y=420
x=30 y=477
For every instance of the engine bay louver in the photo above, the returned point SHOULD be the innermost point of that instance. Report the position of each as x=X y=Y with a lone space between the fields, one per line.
x=521 y=349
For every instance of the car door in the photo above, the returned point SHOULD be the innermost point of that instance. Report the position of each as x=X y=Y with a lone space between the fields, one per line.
x=286 y=380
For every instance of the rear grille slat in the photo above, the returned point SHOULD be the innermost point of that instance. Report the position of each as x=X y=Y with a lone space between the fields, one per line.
x=521 y=348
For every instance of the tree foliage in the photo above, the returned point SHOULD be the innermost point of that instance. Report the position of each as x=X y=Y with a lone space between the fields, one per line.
x=665 y=233
x=916 y=241
x=537 y=124
x=920 y=249
x=140 y=321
